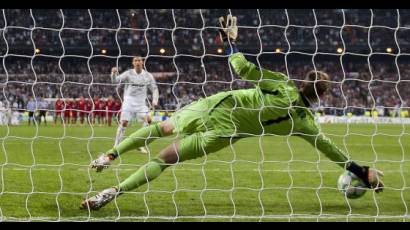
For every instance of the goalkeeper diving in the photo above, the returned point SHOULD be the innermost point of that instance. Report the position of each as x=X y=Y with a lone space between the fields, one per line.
x=274 y=106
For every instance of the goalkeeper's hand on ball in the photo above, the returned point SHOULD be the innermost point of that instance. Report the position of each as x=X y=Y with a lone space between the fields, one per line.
x=372 y=179
x=229 y=29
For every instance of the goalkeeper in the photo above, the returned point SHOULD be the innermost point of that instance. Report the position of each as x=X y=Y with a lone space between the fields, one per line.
x=274 y=106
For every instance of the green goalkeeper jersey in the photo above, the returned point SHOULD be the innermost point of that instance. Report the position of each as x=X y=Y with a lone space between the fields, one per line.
x=274 y=106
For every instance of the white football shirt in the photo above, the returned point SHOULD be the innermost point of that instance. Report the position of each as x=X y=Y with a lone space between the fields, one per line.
x=135 y=87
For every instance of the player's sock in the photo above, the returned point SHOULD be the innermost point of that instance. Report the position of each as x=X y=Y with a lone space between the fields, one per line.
x=139 y=138
x=120 y=135
x=146 y=173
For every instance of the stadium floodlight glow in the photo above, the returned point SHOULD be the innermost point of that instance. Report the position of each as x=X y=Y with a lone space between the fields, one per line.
x=278 y=50
x=219 y=50
x=389 y=50
x=339 y=50
x=37 y=50
x=103 y=51
x=162 y=50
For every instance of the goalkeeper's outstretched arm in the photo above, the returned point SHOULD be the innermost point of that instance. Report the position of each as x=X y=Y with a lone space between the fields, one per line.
x=245 y=69
x=369 y=176
x=268 y=80
x=249 y=71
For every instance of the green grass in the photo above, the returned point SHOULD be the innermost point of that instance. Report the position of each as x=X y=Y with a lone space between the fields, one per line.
x=44 y=175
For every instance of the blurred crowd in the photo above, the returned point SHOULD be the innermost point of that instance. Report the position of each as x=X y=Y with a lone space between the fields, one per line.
x=87 y=32
x=69 y=53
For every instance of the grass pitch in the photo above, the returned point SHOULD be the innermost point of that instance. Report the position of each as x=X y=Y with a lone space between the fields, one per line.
x=44 y=175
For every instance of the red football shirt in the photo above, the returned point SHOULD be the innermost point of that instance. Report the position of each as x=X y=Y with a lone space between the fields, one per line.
x=59 y=105
x=81 y=105
x=110 y=105
x=117 y=105
x=97 y=104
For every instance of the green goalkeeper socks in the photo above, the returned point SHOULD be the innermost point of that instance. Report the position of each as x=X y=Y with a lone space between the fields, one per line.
x=143 y=175
x=149 y=171
x=140 y=138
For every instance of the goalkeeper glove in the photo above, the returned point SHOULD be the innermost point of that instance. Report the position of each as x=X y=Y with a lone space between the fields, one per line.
x=229 y=29
x=369 y=176
x=373 y=176
x=228 y=33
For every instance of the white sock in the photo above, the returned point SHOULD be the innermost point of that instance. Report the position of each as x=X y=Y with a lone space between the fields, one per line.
x=120 y=135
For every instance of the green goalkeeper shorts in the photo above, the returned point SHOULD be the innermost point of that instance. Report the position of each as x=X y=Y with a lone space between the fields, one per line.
x=202 y=143
x=205 y=115
x=198 y=128
x=192 y=118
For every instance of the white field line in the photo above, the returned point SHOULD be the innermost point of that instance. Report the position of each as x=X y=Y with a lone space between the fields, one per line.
x=203 y=218
x=82 y=169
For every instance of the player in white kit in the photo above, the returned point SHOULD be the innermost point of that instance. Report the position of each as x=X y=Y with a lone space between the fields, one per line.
x=136 y=81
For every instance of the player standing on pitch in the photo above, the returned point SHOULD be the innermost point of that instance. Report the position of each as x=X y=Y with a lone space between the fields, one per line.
x=31 y=108
x=58 y=109
x=43 y=107
x=136 y=82
x=67 y=111
x=74 y=110
x=110 y=107
x=275 y=106
x=96 y=110
x=82 y=109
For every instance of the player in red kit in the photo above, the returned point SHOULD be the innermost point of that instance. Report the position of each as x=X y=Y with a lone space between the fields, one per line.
x=67 y=111
x=82 y=109
x=110 y=105
x=59 y=106
x=96 y=110
x=103 y=112
x=88 y=109
x=117 y=109
x=74 y=111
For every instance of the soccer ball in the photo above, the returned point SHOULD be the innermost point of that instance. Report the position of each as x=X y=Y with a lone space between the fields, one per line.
x=351 y=186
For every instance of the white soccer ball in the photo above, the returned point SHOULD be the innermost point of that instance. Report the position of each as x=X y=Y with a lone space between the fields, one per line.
x=351 y=186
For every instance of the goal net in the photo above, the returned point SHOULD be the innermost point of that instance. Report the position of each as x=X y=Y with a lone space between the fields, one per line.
x=62 y=55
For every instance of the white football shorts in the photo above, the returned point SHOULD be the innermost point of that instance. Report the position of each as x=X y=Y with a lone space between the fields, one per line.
x=127 y=114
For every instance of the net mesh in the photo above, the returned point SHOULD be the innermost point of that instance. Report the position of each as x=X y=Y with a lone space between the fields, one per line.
x=69 y=53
